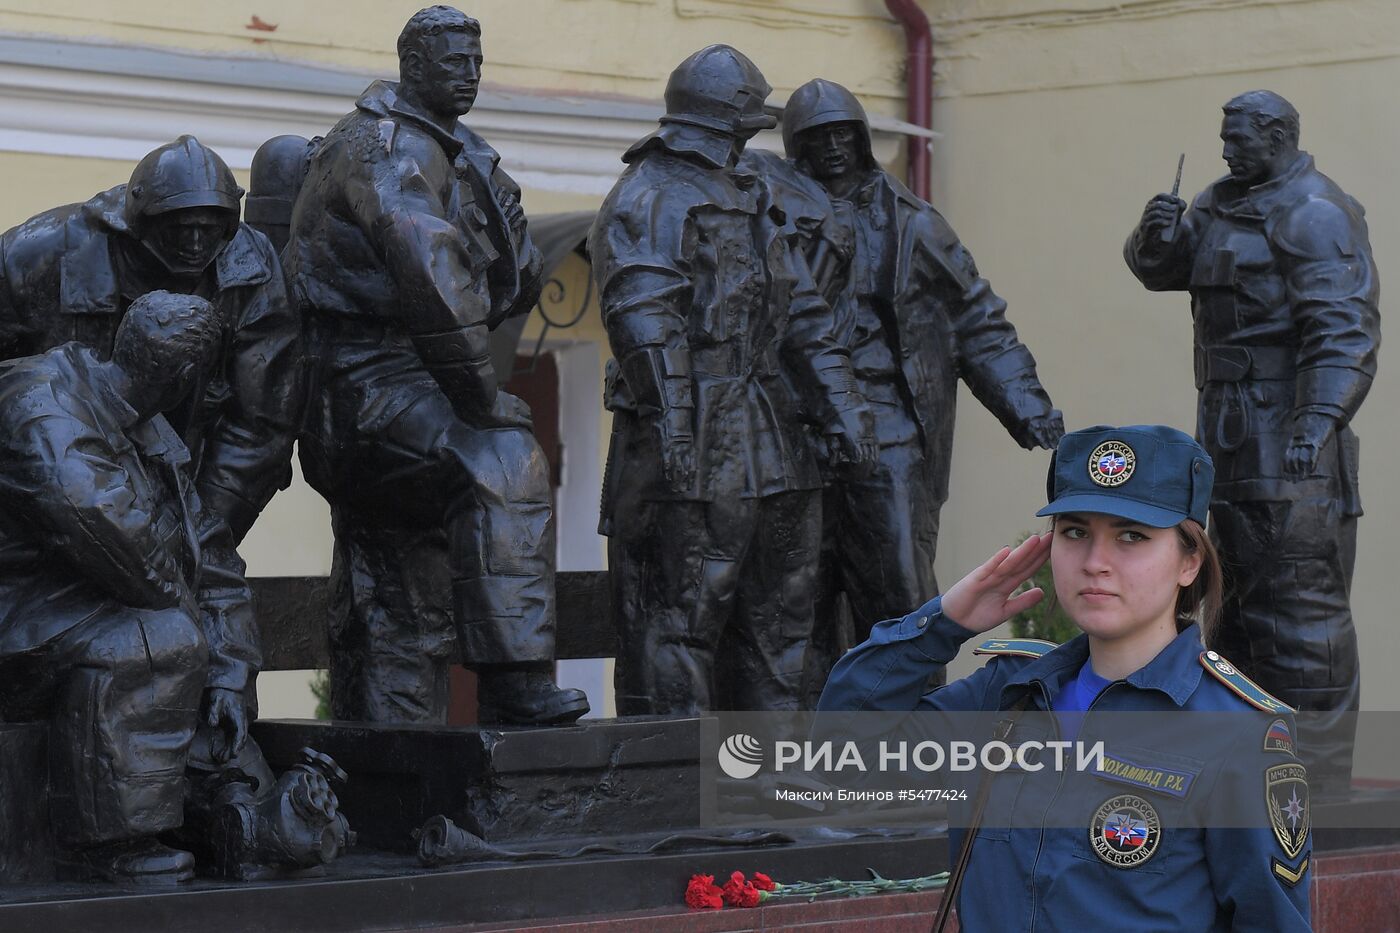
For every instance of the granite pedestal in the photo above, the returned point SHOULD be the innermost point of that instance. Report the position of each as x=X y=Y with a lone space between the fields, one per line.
x=598 y=779
x=26 y=845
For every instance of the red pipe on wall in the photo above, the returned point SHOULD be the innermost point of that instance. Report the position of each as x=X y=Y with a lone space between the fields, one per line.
x=918 y=39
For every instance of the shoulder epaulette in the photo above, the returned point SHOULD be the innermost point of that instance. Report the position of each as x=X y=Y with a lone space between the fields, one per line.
x=1016 y=647
x=1240 y=685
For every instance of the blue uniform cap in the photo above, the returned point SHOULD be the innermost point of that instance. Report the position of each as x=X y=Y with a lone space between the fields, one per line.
x=1148 y=473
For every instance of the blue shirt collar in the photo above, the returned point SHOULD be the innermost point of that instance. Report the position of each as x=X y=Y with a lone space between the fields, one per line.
x=1175 y=670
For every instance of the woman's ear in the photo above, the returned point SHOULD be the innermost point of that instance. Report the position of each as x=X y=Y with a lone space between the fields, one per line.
x=1191 y=562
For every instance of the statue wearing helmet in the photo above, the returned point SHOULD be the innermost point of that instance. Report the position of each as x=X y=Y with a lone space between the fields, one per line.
x=279 y=167
x=916 y=316
x=723 y=350
x=182 y=203
x=70 y=273
x=718 y=89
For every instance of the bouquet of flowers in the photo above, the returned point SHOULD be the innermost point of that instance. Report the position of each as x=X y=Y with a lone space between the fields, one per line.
x=703 y=894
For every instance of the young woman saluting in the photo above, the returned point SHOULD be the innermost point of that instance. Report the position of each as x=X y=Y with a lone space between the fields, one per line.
x=1193 y=822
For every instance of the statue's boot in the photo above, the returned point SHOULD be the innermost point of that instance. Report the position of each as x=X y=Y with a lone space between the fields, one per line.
x=526 y=695
x=129 y=861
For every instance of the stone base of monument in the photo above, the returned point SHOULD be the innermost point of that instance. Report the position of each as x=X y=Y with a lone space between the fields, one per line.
x=1356 y=891
x=1353 y=891
x=378 y=891
x=26 y=846
x=631 y=784
x=600 y=778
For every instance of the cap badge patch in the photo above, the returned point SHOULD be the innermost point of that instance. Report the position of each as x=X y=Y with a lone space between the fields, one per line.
x=1125 y=831
x=1112 y=463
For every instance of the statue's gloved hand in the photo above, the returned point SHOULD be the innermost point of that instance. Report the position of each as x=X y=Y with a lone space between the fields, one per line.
x=1042 y=431
x=507 y=411
x=1311 y=432
x=226 y=713
x=850 y=443
x=1160 y=215
x=513 y=210
x=677 y=449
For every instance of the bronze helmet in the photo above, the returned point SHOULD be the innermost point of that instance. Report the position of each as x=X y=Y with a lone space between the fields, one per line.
x=185 y=173
x=719 y=88
x=820 y=102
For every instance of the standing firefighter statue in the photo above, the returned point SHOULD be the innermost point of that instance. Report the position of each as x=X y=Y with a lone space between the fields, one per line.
x=1284 y=297
x=408 y=242
x=917 y=316
x=713 y=504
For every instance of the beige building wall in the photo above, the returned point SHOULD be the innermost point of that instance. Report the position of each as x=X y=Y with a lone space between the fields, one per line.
x=619 y=47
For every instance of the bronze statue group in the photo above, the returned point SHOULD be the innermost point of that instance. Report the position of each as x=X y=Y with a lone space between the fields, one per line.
x=787 y=332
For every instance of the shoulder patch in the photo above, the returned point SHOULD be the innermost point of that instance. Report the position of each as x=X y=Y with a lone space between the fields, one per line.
x=1289 y=806
x=1246 y=689
x=1016 y=647
x=1279 y=738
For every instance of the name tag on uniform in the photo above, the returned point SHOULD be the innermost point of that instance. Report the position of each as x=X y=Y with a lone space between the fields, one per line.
x=1124 y=769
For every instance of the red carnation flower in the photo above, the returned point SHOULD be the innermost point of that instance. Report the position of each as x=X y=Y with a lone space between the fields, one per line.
x=738 y=892
x=702 y=893
x=763 y=882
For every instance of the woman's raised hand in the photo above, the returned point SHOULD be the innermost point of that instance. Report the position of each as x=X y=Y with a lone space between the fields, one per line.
x=982 y=600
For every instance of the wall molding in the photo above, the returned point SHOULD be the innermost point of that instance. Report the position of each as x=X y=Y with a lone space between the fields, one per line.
x=61 y=97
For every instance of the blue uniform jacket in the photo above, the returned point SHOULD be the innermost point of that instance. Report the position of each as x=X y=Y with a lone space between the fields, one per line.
x=1032 y=872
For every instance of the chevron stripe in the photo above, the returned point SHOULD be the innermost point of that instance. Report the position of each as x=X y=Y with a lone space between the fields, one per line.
x=1289 y=876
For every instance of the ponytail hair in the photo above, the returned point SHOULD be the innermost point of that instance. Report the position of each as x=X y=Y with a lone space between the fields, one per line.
x=1200 y=602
